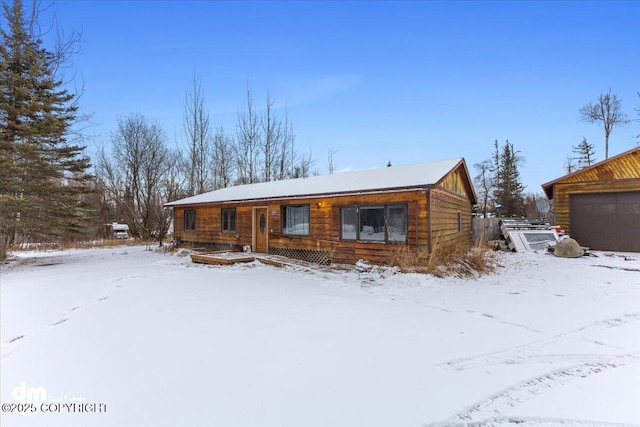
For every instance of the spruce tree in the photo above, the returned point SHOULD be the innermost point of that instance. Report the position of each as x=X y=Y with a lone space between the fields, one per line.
x=585 y=154
x=42 y=170
x=509 y=189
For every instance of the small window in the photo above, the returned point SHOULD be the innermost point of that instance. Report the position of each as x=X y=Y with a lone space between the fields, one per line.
x=348 y=223
x=229 y=220
x=397 y=223
x=263 y=223
x=189 y=220
x=459 y=221
x=295 y=220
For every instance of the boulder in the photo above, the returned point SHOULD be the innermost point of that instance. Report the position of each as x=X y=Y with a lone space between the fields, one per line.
x=568 y=248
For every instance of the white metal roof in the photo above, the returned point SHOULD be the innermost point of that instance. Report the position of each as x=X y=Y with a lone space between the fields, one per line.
x=415 y=175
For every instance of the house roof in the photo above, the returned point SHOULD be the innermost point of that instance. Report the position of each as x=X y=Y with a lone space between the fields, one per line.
x=368 y=180
x=590 y=173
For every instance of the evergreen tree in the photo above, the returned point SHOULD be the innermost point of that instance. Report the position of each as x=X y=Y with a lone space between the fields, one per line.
x=42 y=171
x=585 y=154
x=508 y=191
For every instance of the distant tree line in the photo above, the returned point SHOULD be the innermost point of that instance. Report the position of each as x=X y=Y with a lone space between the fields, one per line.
x=139 y=172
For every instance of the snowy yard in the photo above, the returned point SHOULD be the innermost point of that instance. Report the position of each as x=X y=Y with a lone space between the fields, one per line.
x=143 y=338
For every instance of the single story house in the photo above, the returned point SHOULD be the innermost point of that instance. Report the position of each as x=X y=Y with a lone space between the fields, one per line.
x=338 y=218
x=599 y=206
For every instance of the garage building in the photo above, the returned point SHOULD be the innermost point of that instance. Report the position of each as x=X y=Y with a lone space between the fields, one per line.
x=599 y=206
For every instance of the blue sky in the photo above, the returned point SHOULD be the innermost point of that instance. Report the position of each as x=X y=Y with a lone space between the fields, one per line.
x=404 y=82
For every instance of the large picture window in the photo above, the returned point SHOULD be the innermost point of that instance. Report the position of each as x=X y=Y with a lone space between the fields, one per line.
x=295 y=220
x=374 y=223
x=189 y=220
x=228 y=220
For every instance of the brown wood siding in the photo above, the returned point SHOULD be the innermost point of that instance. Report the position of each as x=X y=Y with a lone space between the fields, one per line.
x=348 y=252
x=562 y=191
x=324 y=212
x=456 y=183
x=324 y=218
x=624 y=167
x=445 y=207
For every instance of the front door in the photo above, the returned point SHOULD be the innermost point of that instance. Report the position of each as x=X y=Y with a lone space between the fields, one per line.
x=260 y=230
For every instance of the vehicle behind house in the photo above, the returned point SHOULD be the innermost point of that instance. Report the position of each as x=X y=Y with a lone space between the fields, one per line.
x=118 y=231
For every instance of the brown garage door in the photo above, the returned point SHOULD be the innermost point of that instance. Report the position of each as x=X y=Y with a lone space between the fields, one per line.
x=606 y=221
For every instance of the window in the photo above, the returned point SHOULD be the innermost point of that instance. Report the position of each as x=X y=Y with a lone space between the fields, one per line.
x=397 y=223
x=372 y=223
x=189 y=220
x=295 y=220
x=349 y=223
x=459 y=221
x=375 y=223
x=228 y=220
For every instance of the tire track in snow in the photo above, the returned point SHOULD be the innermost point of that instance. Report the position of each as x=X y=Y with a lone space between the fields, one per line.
x=522 y=353
x=483 y=412
x=488 y=412
x=517 y=325
x=543 y=422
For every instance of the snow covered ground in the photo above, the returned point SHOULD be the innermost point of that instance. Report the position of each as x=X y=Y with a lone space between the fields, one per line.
x=131 y=337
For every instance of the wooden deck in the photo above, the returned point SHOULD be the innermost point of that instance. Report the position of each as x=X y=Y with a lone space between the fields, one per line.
x=229 y=258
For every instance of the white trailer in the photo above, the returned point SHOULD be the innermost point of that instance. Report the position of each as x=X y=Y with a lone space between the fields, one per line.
x=118 y=231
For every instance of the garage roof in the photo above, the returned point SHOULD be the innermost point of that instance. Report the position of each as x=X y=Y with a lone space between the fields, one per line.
x=623 y=166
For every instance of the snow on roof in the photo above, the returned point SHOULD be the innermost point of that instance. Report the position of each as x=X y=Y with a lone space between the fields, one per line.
x=415 y=175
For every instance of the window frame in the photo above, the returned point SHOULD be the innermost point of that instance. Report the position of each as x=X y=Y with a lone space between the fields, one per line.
x=371 y=207
x=232 y=220
x=189 y=223
x=364 y=206
x=283 y=218
x=341 y=224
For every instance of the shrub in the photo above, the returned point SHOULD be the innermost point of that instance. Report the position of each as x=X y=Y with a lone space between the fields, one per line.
x=446 y=258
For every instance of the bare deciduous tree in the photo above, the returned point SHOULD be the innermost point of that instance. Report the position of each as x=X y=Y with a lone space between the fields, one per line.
x=223 y=160
x=638 y=111
x=271 y=140
x=172 y=188
x=302 y=169
x=569 y=165
x=607 y=111
x=247 y=143
x=332 y=152
x=137 y=167
x=110 y=186
x=283 y=164
x=198 y=137
x=484 y=182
